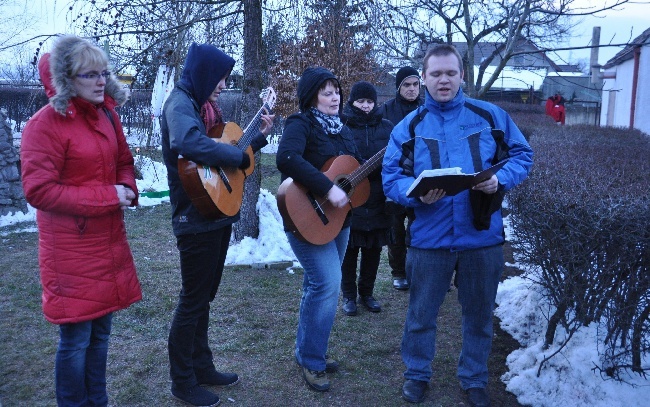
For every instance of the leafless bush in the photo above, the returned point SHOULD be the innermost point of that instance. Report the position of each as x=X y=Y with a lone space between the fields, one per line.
x=582 y=219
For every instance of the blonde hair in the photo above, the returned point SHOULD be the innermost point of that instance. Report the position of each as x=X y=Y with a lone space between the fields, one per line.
x=69 y=56
x=84 y=54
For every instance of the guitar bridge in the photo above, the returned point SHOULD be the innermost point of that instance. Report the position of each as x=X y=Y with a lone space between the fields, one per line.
x=319 y=210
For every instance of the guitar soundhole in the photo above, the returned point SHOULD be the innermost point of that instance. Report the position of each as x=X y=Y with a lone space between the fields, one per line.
x=344 y=184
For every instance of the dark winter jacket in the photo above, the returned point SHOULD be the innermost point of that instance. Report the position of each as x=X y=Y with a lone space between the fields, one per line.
x=371 y=134
x=305 y=148
x=72 y=157
x=183 y=133
x=394 y=110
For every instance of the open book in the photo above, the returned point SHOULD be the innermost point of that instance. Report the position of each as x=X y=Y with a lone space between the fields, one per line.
x=452 y=180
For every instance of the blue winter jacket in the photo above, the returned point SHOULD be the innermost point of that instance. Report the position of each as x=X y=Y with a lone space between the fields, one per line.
x=457 y=133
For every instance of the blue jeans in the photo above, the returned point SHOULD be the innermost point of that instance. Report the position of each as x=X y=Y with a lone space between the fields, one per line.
x=429 y=273
x=80 y=365
x=202 y=258
x=320 y=296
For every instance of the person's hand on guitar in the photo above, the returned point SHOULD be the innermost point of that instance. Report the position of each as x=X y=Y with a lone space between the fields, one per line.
x=267 y=123
x=337 y=197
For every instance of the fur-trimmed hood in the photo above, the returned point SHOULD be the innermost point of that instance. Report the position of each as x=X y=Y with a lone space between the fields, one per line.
x=54 y=69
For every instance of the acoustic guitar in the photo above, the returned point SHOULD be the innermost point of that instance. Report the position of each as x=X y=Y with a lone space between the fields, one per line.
x=218 y=192
x=313 y=218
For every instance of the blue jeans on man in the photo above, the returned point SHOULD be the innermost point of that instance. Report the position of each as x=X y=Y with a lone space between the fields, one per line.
x=80 y=364
x=429 y=273
x=320 y=296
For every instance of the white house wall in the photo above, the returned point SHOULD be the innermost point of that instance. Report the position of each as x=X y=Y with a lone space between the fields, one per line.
x=642 y=116
x=622 y=85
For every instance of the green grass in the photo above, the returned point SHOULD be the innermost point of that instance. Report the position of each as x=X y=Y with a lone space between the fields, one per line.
x=252 y=332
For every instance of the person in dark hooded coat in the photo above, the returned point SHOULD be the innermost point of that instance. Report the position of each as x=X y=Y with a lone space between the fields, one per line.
x=310 y=138
x=370 y=229
x=202 y=242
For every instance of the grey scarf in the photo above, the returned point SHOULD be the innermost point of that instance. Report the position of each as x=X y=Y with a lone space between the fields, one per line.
x=331 y=123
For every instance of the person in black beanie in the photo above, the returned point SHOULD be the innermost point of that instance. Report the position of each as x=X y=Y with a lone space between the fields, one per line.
x=370 y=229
x=202 y=242
x=407 y=99
x=309 y=140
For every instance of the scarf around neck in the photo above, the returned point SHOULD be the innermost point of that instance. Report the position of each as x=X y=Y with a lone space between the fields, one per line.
x=331 y=123
x=211 y=115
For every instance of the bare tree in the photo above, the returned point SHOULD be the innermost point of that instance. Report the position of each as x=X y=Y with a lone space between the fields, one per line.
x=330 y=42
x=147 y=33
x=508 y=23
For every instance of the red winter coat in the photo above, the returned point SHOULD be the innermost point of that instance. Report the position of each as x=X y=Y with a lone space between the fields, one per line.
x=69 y=167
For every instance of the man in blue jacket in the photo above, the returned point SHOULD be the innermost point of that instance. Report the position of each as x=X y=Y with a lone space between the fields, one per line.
x=463 y=232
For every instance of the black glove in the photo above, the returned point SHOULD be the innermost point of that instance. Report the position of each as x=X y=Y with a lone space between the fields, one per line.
x=245 y=161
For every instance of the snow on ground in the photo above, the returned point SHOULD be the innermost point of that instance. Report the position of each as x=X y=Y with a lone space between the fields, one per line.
x=568 y=380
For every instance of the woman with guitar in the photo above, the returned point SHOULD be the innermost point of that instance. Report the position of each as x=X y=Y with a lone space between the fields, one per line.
x=370 y=229
x=311 y=138
x=202 y=241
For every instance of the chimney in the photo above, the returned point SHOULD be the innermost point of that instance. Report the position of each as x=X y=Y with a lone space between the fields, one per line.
x=596 y=76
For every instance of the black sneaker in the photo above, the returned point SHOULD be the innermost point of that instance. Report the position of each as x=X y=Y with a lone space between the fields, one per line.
x=371 y=303
x=350 y=306
x=316 y=380
x=215 y=378
x=400 y=284
x=196 y=396
x=413 y=390
x=478 y=397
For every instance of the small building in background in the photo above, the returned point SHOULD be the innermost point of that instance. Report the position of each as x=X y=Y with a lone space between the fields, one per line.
x=582 y=97
x=626 y=86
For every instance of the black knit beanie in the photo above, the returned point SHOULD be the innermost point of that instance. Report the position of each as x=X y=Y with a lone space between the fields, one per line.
x=404 y=73
x=363 y=90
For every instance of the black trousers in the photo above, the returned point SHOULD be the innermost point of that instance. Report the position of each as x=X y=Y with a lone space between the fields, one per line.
x=397 y=250
x=202 y=258
x=367 y=271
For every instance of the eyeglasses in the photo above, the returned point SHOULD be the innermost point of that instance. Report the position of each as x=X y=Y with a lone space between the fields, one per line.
x=94 y=75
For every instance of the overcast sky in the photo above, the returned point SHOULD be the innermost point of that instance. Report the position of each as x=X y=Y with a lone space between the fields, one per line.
x=617 y=26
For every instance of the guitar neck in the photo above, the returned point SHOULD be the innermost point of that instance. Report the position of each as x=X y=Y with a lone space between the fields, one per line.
x=366 y=168
x=251 y=130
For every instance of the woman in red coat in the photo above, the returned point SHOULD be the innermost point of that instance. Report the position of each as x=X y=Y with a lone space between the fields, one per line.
x=77 y=171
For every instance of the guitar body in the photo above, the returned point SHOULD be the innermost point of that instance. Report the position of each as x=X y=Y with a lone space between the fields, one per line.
x=219 y=192
x=205 y=185
x=313 y=218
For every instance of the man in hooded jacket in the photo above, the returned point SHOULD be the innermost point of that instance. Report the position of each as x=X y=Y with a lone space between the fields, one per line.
x=202 y=242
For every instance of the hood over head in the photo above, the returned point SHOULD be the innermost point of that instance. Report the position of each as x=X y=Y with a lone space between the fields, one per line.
x=205 y=66
x=310 y=82
x=46 y=75
x=62 y=61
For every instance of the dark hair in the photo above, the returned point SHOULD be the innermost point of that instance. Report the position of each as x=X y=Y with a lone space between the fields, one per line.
x=331 y=81
x=441 y=50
